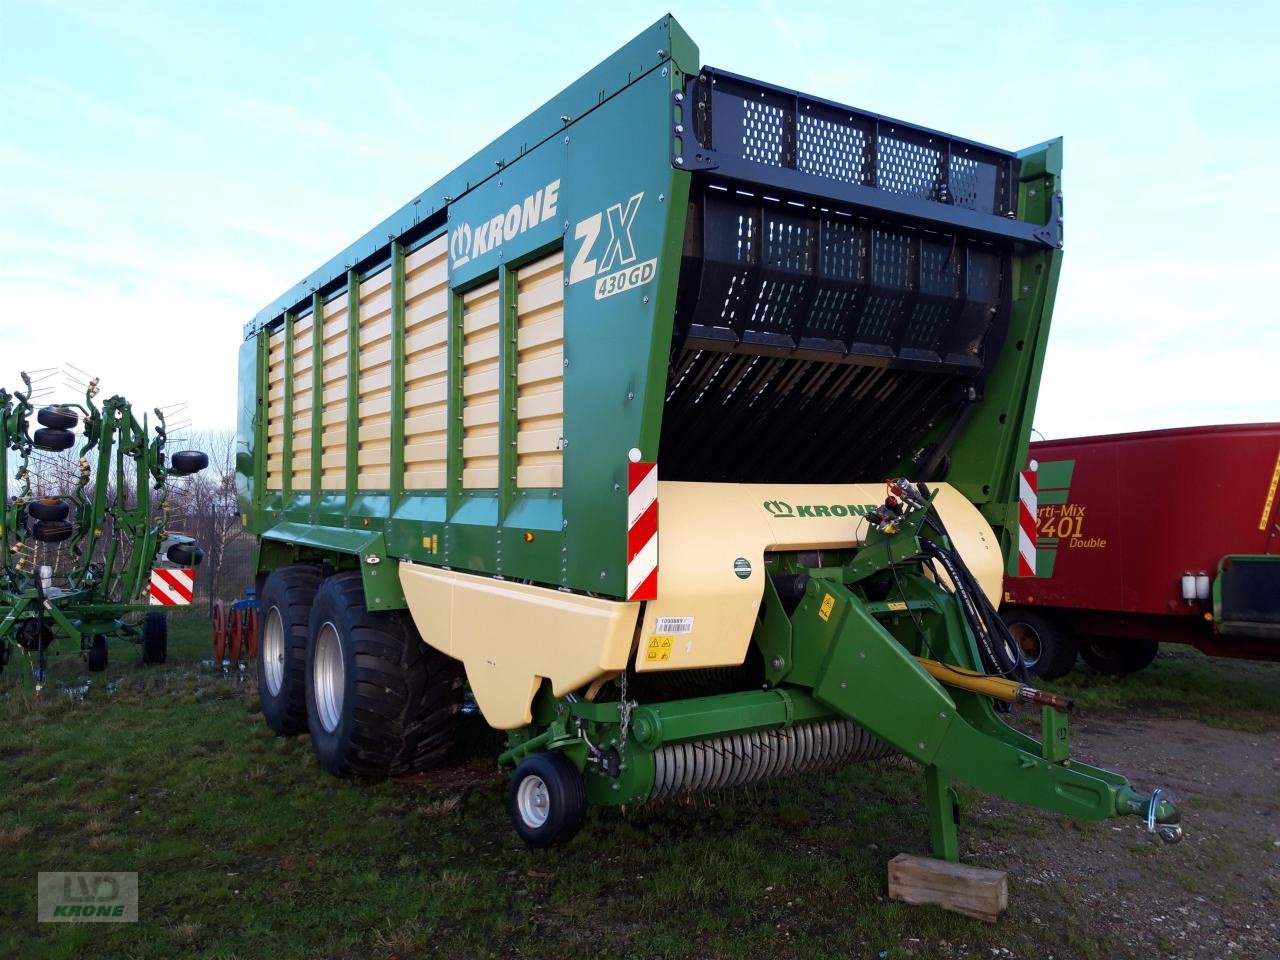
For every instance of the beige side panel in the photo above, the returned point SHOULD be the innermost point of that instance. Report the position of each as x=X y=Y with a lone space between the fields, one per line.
x=511 y=636
x=374 y=455
x=480 y=387
x=333 y=397
x=540 y=373
x=426 y=374
x=275 y=410
x=703 y=528
x=302 y=419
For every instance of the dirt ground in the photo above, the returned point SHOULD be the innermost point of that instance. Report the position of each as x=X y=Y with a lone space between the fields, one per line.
x=1122 y=893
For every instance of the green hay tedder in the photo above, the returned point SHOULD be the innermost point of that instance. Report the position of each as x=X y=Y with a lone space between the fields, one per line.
x=82 y=536
x=681 y=424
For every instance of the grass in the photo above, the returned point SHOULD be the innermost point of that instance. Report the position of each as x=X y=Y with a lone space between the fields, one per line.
x=1182 y=682
x=245 y=849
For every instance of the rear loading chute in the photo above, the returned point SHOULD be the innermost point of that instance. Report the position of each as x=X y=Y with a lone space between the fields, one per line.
x=758 y=306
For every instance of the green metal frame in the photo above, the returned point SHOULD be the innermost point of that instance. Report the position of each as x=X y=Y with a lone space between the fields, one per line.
x=95 y=597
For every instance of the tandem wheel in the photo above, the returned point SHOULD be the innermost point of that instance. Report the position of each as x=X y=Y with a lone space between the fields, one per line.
x=547 y=800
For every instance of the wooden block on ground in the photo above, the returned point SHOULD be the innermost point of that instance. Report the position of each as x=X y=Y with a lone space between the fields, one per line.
x=973 y=891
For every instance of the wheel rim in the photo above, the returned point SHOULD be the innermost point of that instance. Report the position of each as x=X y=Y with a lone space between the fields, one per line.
x=533 y=800
x=1028 y=641
x=273 y=651
x=330 y=676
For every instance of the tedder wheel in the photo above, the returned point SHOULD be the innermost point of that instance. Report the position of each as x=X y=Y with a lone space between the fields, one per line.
x=52 y=531
x=287 y=597
x=48 y=508
x=1118 y=655
x=546 y=799
x=219 y=630
x=249 y=632
x=235 y=635
x=58 y=418
x=155 y=638
x=1047 y=647
x=47 y=438
x=98 y=654
x=186 y=462
x=379 y=700
x=185 y=554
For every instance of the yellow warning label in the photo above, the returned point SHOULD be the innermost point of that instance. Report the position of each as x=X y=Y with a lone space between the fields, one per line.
x=1271 y=495
x=828 y=603
x=659 y=649
x=896 y=605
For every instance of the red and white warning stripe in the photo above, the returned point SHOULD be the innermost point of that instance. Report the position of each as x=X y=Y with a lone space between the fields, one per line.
x=1027 y=521
x=642 y=531
x=172 y=588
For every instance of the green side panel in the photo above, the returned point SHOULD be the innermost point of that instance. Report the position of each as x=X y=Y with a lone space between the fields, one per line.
x=1052 y=476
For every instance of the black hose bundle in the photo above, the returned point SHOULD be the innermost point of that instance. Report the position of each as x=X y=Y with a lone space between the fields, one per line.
x=996 y=645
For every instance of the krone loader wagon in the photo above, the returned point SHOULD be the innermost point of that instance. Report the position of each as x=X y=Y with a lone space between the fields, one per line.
x=680 y=425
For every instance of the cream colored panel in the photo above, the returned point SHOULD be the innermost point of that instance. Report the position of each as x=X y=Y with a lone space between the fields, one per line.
x=540 y=373
x=374 y=384
x=333 y=397
x=275 y=410
x=511 y=636
x=301 y=386
x=426 y=351
x=480 y=387
x=703 y=528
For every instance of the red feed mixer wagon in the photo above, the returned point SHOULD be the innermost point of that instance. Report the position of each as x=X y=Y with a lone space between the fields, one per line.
x=1145 y=538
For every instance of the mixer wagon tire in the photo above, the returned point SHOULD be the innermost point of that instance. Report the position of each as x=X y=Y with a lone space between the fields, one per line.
x=379 y=700
x=1047 y=647
x=155 y=638
x=52 y=531
x=98 y=654
x=55 y=441
x=287 y=597
x=546 y=800
x=48 y=508
x=1118 y=656
x=58 y=418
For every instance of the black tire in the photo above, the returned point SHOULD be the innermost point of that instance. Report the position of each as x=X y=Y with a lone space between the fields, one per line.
x=58 y=418
x=155 y=638
x=185 y=554
x=287 y=595
x=390 y=703
x=1119 y=655
x=48 y=508
x=52 y=531
x=98 y=654
x=47 y=438
x=186 y=462
x=551 y=783
x=1048 y=649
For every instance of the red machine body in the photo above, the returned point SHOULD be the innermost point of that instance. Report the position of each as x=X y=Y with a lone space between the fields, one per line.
x=1124 y=520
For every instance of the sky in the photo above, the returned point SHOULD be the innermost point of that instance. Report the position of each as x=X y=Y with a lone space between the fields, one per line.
x=168 y=169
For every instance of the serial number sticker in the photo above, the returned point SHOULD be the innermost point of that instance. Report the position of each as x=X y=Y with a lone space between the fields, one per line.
x=659 y=649
x=828 y=603
x=897 y=605
x=672 y=625
x=626 y=278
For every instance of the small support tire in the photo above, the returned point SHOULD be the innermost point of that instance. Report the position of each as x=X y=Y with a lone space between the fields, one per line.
x=48 y=508
x=155 y=638
x=58 y=418
x=546 y=800
x=55 y=441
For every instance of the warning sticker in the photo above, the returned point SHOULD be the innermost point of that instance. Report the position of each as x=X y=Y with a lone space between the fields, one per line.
x=828 y=603
x=896 y=605
x=659 y=649
x=674 y=625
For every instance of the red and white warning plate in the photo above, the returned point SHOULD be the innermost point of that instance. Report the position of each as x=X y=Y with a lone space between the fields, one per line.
x=172 y=587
